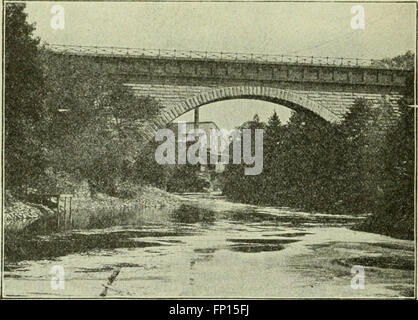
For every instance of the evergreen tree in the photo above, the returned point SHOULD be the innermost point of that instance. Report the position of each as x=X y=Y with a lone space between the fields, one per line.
x=399 y=168
x=395 y=216
x=237 y=185
x=358 y=195
x=273 y=165
x=24 y=93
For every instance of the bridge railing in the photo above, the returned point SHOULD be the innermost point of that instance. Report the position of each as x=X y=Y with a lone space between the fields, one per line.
x=220 y=56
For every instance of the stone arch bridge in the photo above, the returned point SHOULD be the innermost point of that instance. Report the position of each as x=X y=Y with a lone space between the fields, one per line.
x=185 y=80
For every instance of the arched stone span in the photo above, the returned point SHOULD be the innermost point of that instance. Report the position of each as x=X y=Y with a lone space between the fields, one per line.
x=283 y=97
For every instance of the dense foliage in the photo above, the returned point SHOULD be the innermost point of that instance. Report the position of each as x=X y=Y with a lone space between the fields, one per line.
x=395 y=215
x=363 y=165
x=24 y=100
x=93 y=128
x=67 y=118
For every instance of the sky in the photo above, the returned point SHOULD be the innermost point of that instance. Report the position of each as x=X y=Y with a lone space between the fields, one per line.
x=318 y=29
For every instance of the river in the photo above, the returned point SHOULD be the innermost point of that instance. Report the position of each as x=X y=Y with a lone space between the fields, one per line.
x=221 y=249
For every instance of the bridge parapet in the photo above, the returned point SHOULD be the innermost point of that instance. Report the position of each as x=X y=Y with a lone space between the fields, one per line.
x=201 y=67
x=218 y=56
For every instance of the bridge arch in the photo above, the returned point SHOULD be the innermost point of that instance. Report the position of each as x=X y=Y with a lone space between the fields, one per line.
x=275 y=95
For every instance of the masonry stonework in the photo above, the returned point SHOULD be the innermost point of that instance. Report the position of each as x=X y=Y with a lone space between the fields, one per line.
x=182 y=84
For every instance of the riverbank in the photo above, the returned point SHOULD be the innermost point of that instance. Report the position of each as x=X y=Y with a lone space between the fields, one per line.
x=99 y=210
x=29 y=227
x=399 y=226
x=18 y=214
x=396 y=224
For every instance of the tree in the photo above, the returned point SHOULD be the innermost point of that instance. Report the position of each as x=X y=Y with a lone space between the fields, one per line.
x=273 y=129
x=405 y=61
x=94 y=124
x=364 y=128
x=237 y=185
x=359 y=158
x=308 y=162
x=399 y=169
x=395 y=216
x=274 y=179
x=24 y=93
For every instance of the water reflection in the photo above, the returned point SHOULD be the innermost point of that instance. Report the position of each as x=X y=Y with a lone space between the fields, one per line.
x=62 y=244
x=259 y=245
x=190 y=214
x=156 y=226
